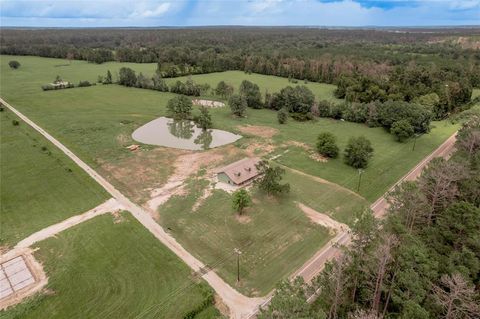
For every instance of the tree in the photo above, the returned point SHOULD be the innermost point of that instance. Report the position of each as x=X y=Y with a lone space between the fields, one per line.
x=326 y=145
x=108 y=78
x=252 y=94
x=240 y=200
x=456 y=297
x=468 y=137
x=402 y=130
x=204 y=120
x=238 y=105
x=271 y=178
x=358 y=152
x=282 y=116
x=439 y=182
x=180 y=107
x=223 y=89
x=290 y=301
x=143 y=82
x=127 y=77
x=159 y=84
x=296 y=100
x=14 y=64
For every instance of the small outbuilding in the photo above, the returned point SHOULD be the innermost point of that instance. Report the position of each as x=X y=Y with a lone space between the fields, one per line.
x=240 y=172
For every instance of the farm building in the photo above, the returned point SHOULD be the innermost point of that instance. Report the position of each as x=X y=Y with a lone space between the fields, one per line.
x=239 y=173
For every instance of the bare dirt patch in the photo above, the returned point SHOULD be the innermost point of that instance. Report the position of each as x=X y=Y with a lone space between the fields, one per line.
x=260 y=131
x=322 y=219
x=244 y=218
x=312 y=153
x=137 y=174
x=208 y=103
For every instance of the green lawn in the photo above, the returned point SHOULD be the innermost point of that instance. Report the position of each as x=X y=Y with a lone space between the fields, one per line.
x=96 y=122
x=102 y=269
x=275 y=236
x=39 y=185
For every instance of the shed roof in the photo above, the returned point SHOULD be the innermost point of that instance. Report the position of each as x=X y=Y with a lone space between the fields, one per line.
x=242 y=170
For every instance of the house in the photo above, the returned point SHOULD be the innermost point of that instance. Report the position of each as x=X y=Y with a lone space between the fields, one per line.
x=239 y=173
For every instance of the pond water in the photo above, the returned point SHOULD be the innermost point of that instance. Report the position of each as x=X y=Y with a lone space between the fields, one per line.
x=182 y=134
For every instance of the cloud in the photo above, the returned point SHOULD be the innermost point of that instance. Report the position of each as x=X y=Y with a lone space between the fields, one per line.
x=158 y=11
x=88 y=13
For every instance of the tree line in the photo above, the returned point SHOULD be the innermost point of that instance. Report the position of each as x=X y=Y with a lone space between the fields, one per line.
x=367 y=65
x=421 y=261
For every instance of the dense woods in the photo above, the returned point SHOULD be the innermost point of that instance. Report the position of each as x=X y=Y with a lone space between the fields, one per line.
x=432 y=67
x=422 y=261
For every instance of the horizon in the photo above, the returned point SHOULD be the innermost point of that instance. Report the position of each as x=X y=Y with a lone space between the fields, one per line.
x=245 y=13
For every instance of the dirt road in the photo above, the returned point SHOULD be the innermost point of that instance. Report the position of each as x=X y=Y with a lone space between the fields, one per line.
x=110 y=205
x=240 y=306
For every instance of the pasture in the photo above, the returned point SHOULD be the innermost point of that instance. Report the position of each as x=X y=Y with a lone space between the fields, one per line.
x=39 y=185
x=274 y=235
x=111 y=267
x=96 y=122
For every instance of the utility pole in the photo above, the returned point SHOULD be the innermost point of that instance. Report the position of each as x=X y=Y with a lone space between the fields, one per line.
x=360 y=172
x=415 y=140
x=238 y=252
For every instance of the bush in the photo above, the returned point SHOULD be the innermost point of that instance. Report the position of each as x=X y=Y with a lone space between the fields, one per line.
x=323 y=108
x=282 y=116
x=127 y=77
x=238 y=105
x=14 y=64
x=84 y=84
x=252 y=94
x=358 y=152
x=402 y=130
x=302 y=117
x=326 y=145
x=15 y=123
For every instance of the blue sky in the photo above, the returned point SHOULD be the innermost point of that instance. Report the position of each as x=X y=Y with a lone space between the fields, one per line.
x=104 y=13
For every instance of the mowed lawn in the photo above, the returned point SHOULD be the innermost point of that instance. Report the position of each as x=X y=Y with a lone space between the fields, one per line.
x=39 y=185
x=112 y=268
x=97 y=122
x=274 y=235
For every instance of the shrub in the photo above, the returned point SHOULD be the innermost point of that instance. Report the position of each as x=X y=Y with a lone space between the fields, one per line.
x=238 y=105
x=14 y=64
x=15 y=123
x=84 y=84
x=252 y=94
x=282 y=116
x=323 y=108
x=326 y=145
x=358 y=152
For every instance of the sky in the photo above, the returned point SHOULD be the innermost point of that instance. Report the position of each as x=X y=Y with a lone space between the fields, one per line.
x=152 y=13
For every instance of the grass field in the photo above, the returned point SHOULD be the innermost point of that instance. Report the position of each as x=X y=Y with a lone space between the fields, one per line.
x=274 y=235
x=107 y=269
x=39 y=185
x=96 y=122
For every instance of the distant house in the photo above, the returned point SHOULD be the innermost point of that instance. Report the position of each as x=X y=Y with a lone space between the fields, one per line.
x=239 y=173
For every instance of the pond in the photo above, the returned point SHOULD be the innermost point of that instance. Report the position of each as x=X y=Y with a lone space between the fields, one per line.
x=182 y=134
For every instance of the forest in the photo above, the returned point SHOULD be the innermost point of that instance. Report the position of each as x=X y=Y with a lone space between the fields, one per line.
x=436 y=67
x=422 y=261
